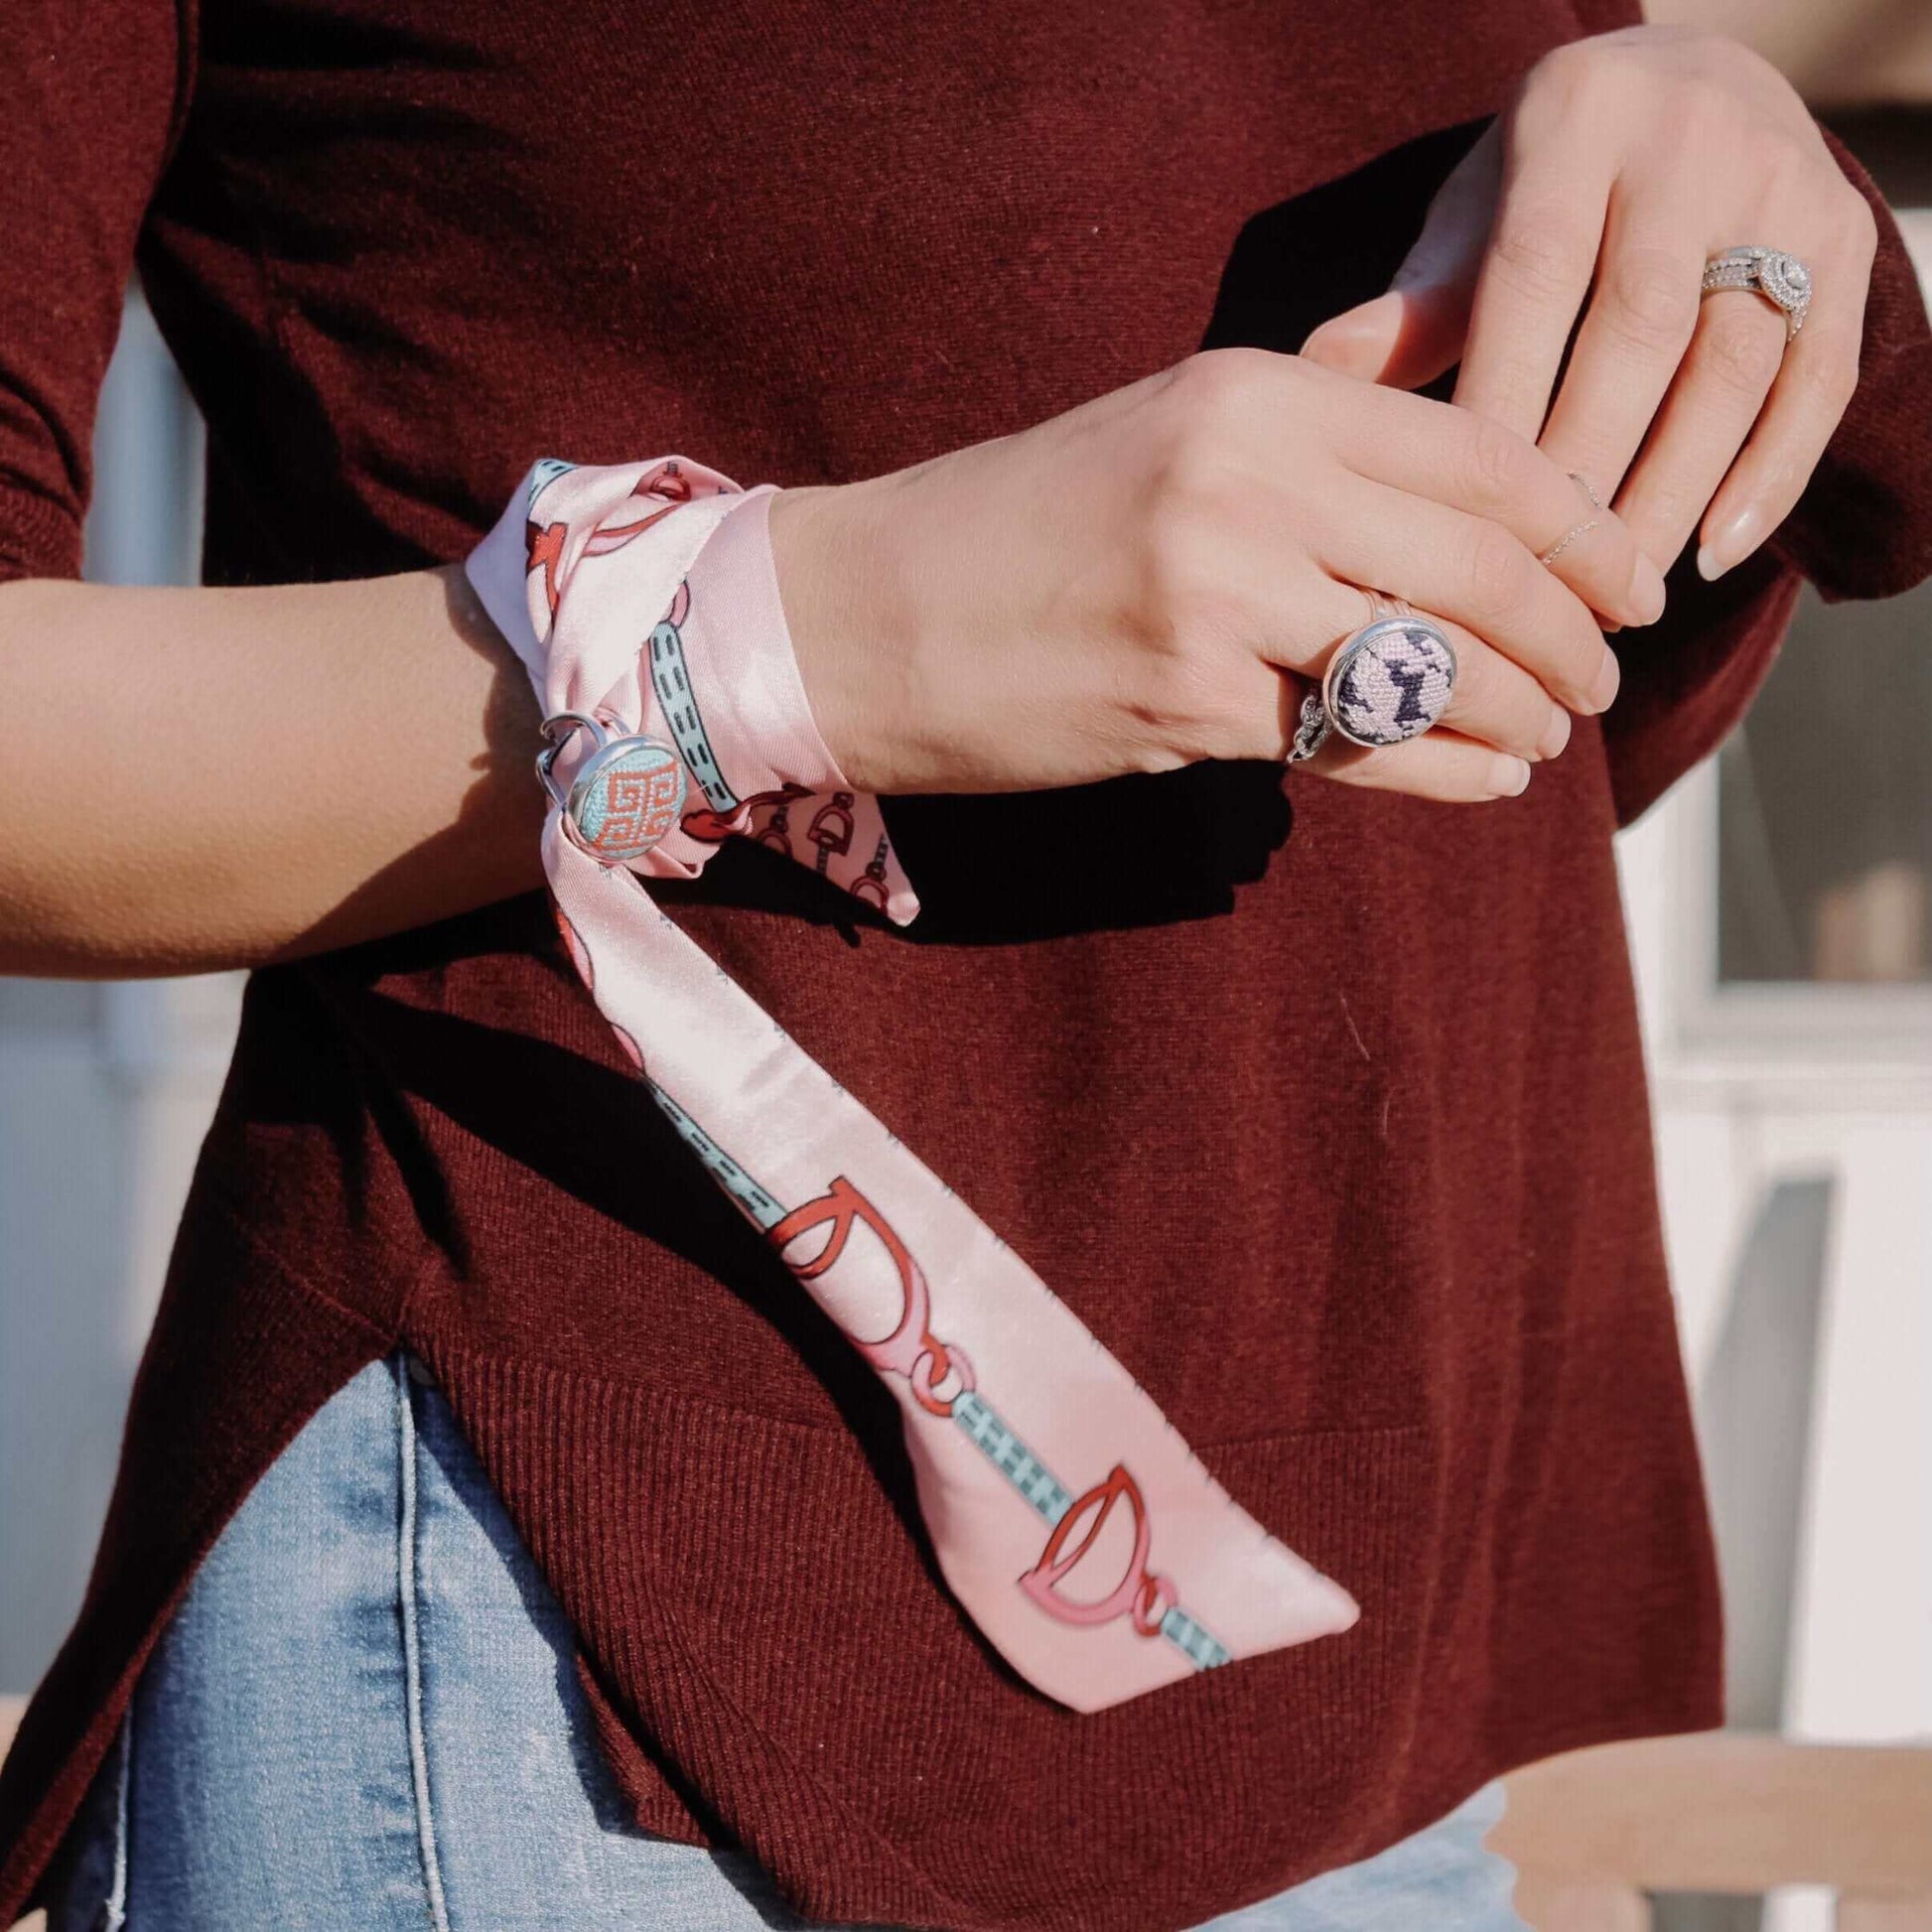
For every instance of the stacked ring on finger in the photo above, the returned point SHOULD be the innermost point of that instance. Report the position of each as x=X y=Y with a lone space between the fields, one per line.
x=1575 y=530
x=1781 y=279
x=1390 y=681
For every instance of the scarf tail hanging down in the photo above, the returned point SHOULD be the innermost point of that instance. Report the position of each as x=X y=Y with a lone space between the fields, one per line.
x=1069 y=1518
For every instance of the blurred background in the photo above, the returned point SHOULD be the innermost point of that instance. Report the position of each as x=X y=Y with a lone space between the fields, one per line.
x=1780 y=907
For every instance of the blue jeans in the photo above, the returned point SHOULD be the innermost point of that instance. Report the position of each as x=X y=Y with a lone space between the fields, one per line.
x=366 y=1714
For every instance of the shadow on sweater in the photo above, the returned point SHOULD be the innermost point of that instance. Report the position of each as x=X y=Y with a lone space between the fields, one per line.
x=461 y=1070
x=1157 y=847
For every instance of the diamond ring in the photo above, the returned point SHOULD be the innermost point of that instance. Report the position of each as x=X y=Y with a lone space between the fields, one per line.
x=1781 y=279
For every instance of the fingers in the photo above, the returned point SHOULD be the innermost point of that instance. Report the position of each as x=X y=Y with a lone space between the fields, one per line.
x=1499 y=704
x=1499 y=723
x=1732 y=361
x=1449 y=563
x=1495 y=701
x=1475 y=465
x=1403 y=338
x=1414 y=332
x=1443 y=765
x=1439 y=766
x=1542 y=254
x=1813 y=387
x=1642 y=315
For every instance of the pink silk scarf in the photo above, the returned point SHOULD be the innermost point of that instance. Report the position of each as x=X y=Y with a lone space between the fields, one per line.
x=1069 y=1518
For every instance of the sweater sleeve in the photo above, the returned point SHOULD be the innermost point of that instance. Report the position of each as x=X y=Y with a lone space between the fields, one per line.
x=92 y=97
x=1862 y=528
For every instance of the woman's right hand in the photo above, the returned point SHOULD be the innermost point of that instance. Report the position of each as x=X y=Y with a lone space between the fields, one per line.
x=1124 y=587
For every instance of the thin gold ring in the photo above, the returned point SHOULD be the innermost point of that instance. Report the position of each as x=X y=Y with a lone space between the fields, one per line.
x=1575 y=530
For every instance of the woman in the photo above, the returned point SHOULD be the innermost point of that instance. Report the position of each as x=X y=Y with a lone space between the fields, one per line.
x=503 y=1538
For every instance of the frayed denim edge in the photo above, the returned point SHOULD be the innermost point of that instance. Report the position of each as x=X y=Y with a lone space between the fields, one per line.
x=113 y=1910
x=438 y=1912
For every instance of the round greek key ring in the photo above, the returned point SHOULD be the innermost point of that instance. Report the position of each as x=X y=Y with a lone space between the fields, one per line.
x=627 y=795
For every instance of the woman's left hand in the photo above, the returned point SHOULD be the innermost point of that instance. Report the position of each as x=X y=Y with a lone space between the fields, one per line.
x=1623 y=163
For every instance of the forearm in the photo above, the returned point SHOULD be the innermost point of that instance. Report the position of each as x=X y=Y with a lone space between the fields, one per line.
x=205 y=778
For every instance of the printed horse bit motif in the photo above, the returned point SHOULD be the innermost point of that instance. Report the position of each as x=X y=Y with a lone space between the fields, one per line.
x=664 y=742
x=944 y=1386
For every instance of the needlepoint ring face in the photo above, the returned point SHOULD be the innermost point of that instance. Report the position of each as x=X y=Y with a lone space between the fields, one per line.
x=1390 y=682
x=627 y=795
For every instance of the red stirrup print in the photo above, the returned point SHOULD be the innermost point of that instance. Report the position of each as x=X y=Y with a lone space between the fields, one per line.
x=1068 y=1515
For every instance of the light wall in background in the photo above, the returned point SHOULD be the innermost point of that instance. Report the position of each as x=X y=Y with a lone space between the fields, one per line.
x=1835 y=51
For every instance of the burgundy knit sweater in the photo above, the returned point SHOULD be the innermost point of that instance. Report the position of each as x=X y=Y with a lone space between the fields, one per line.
x=1322 y=1107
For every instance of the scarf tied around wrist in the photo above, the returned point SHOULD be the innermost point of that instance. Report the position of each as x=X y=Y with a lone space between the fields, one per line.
x=1069 y=1518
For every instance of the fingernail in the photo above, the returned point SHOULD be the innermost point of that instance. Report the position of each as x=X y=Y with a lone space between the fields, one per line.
x=1556 y=734
x=1731 y=542
x=1646 y=590
x=1602 y=689
x=1508 y=776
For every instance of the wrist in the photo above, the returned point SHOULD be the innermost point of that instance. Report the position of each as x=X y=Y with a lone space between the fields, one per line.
x=834 y=583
